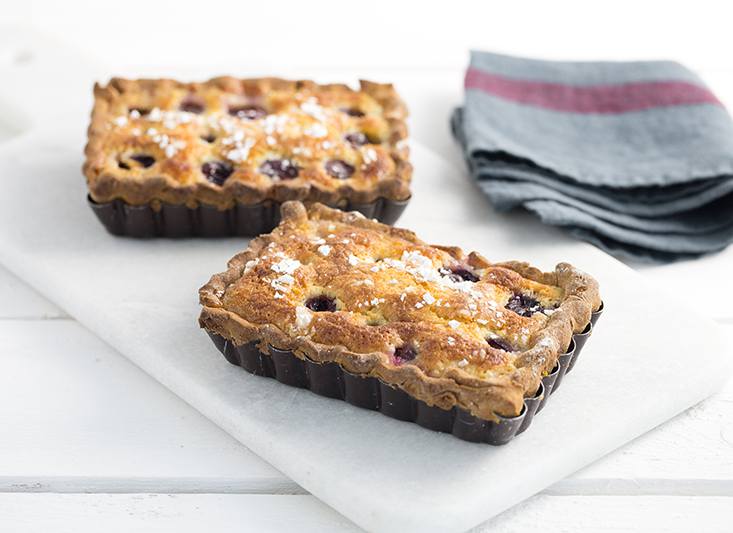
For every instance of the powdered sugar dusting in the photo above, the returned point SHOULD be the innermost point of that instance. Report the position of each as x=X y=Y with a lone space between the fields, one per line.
x=303 y=317
x=316 y=130
x=241 y=151
x=312 y=108
x=286 y=265
x=370 y=156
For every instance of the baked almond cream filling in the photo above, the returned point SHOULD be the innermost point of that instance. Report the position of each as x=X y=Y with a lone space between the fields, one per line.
x=366 y=291
x=216 y=136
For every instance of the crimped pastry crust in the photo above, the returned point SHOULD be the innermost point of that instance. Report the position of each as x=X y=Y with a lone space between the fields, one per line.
x=182 y=126
x=392 y=291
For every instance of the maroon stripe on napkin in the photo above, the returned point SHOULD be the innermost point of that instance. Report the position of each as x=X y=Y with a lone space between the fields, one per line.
x=607 y=98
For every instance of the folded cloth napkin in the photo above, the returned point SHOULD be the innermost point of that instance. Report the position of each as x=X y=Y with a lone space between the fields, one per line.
x=635 y=157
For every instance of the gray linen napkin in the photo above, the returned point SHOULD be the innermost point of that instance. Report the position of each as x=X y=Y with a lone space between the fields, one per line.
x=635 y=157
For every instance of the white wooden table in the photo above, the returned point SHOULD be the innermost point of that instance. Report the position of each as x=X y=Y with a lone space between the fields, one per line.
x=87 y=439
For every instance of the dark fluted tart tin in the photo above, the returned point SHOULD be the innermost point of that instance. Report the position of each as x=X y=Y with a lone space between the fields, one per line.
x=176 y=221
x=332 y=381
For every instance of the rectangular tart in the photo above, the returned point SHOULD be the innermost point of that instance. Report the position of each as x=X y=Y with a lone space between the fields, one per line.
x=449 y=330
x=228 y=143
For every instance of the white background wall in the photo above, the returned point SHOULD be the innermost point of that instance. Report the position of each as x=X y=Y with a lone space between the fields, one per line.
x=276 y=35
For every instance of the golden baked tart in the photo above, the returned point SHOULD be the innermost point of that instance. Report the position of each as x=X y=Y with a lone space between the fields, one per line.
x=358 y=310
x=166 y=158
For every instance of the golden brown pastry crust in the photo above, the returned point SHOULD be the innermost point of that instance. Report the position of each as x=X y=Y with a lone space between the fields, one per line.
x=392 y=290
x=306 y=124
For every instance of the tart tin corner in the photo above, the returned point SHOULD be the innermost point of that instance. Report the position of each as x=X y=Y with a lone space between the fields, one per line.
x=177 y=221
x=332 y=381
